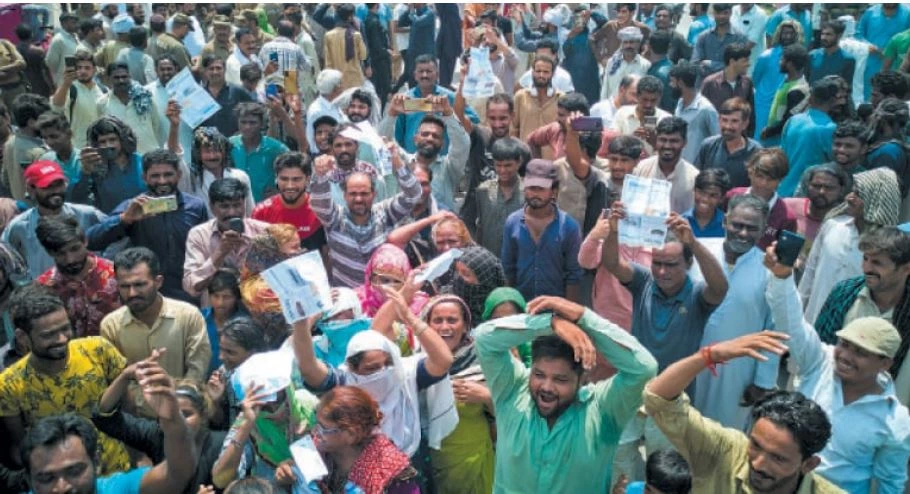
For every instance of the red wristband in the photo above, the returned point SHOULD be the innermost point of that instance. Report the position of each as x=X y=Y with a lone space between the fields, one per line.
x=710 y=363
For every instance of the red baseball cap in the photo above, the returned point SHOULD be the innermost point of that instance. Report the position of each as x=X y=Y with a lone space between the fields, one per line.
x=43 y=173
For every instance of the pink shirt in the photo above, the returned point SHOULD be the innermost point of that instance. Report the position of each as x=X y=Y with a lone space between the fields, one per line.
x=610 y=298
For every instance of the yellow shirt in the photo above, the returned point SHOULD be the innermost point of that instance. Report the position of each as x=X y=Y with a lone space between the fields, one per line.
x=530 y=115
x=333 y=51
x=717 y=456
x=92 y=364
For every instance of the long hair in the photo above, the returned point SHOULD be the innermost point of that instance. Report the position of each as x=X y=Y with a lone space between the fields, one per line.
x=775 y=40
x=109 y=124
x=208 y=136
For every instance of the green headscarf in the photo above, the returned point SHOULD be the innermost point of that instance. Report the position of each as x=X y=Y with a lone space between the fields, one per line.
x=499 y=296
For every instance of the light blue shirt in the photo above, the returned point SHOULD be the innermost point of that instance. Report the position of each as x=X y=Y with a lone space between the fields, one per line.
x=786 y=13
x=699 y=25
x=767 y=78
x=807 y=140
x=257 y=163
x=703 y=123
x=870 y=438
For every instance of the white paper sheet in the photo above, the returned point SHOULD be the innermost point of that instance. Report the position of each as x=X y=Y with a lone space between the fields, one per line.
x=301 y=285
x=196 y=104
x=647 y=204
x=438 y=266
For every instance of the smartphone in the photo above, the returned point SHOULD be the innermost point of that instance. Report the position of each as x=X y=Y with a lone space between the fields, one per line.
x=290 y=82
x=588 y=124
x=789 y=245
x=417 y=104
x=650 y=122
x=163 y=204
x=606 y=213
x=272 y=90
x=273 y=57
x=236 y=224
x=70 y=62
x=108 y=154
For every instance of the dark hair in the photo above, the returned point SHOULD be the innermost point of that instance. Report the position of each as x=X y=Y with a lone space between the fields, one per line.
x=111 y=67
x=628 y=146
x=24 y=32
x=660 y=42
x=325 y=120
x=55 y=233
x=673 y=125
x=749 y=201
x=89 y=25
x=890 y=83
x=650 y=84
x=250 y=72
x=797 y=55
x=835 y=25
x=685 y=72
x=227 y=189
x=168 y=57
x=53 y=120
x=429 y=118
x=84 y=56
x=248 y=108
x=824 y=90
x=803 y=418
x=160 y=157
x=547 y=44
x=241 y=32
x=687 y=253
x=843 y=178
x=734 y=105
x=668 y=472
x=888 y=240
x=630 y=6
x=425 y=58
x=293 y=159
x=250 y=485
x=246 y=333
x=501 y=98
x=736 y=51
x=854 y=129
x=363 y=96
x=344 y=11
x=209 y=59
x=722 y=7
x=286 y=28
x=544 y=59
x=134 y=256
x=344 y=183
x=138 y=36
x=771 y=162
x=28 y=106
x=54 y=430
x=553 y=347
x=157 y=25
x=574 y=102
x=510 y=148
x=110 y=124
x=32 y=302
x=713 y=177
x=225 y=279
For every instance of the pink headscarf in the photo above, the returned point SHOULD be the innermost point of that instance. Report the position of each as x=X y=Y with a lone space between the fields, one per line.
x=388 y=260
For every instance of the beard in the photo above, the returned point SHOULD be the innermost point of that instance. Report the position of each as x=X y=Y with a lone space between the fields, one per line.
x=73 y=269
x=428 y=151
x=50 y=201
x=738 y=246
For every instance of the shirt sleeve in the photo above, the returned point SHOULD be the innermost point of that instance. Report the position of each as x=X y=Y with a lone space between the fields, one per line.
x=11 y=388
x=114 y=362
x=197 y=266
x=122 y=483
x=322 y=203
x=889 y=465
x=198 y=348
x=459 y=146
x=570 y=254
x=509 y=251
x=806 y=348
x=424 y=378
x=401 y=205
x=494 y=340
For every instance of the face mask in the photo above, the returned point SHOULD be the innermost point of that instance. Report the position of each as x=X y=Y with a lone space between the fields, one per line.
x=339 y=333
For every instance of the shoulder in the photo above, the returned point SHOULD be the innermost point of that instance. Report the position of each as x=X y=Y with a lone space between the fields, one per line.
x=123 y=482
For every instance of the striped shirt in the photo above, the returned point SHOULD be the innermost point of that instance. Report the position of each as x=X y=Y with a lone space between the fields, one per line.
x=351 y=245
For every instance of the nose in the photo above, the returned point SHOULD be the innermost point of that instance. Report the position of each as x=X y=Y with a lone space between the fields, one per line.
x=758 y=462
x=62 y=486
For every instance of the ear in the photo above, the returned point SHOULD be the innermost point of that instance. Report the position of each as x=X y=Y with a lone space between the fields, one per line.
x=22 y=339
x=810 y=464
x=886 y=364
x=159 y=280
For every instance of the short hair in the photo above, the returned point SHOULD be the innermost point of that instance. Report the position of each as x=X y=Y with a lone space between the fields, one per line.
x=750 y=201
x=325 y=120
x=660 y=41
x=854 y=129
x=547 y=44
x=32 y=302
x=250 y=72
x=844 y=178
x=339 y=130
x=250 y=108
x=89 y=25
x=824 y=90
x=227 y=189
x=771 y=162
x=55 y=429
x=84 y=56
x=418 y=166
x=553 y=347
x=249 y=485
x=721 y=7
x=650 y=84
x=736 y=51
x=160 y=157
x=431 y=119
x=890 y=83
x=245 y=332
x=628 y=80
x=510 y=149
x=344 y=11
x=736 y=104
x=888 y=240
x=630 y=6
x=685 y=72
x=590 y=142
x=835 y=25
x=544 y=59
x=713 y=177
x=210 y=58
x=134 y=256
x=54 y=233
x=668 y=472
x=293 y=159
x=53 y=120
x=687 y=253
x=628 y=146
x=363 y=96
x=327 y=81
x=156 y=24
x=501 y=98
x=111 y=67
x=168 y=57
x=797 y=55
x=574 y=102
x=286 y=28
x=138 y=36
x=241 y=32
x=806 y=421
x=425 y=58
x=225 y=279
x=28 y=106
x=673 y=125
x=24 y=32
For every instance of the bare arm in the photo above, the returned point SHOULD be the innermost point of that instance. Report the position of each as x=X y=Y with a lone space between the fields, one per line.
x=577 y=160
x=612 y=261
x=313 y=370
x=61 y=95
x=403 y=234
x=716 y=280
x=439 y=357
x=460 y=103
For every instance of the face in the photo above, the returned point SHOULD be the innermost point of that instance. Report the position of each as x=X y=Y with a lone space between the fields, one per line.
x=707 y=200
x=120 y=80
x=214 y=73
x=743 y=226
x=379 y=281
x=232 y=354
x=448 y=321
x=787 y=36
x=853 y=363
x=848 y=151
x=329 y=437
x=740 y=65
x=662 y=19
x=539 y=197
x=137 y=287
x=162 y=179
x=224 y=302
x=212 y=158
x=58 y=140
x=345 y=151
x=630 y=47
x=506 y=170
x=247 y=44
x=774 y=457
x=426 y=75
x=359 y=195
x=504 y=309
x=321 y=136
x=49 y=336
x=85 y=71
x=722 y=17
x=465 y=273
x=110 y=141
x=620 y=165
x=63 y=467
x=828 y=38
x=447 y=238
x=222 y=33
x=429 y=140
x=647 y=102
x=542 y=75
x=358 y=111
x=762 y=185
x=623 y=14
x=70 y=25
x=499 y=119
x=227 y=210
x=249 y=126
x=165 y=70
x=426 y=188
x=553 y=385
x=669 y=267
x=824 y=191
x=50 y=197
x=138 y=13
x=72 y=258
x=194 y=419
x=669 y=147
x=882 y=274
x=732 y=125
x=292 y=184
x=372 y=362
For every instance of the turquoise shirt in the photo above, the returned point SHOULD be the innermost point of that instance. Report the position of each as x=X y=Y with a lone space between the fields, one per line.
x=257 y=163
x=576 y=455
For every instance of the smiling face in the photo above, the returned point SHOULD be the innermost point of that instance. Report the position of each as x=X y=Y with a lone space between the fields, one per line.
x=231 y=353
x=854 y=364
x=51 y=197
x=849 y=151
x=743 y=226
x=707 y=200
x=774 y=457
x=732 y=125
x=447 y=319
x=162 y=179
x=499 y=119
x=553 y=385
x=49 y=336
x=882 y=274
x=358 y=111
x=669 y=147
x=292 y=184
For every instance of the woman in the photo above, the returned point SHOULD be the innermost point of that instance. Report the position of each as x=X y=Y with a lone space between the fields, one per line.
x=224 y=297
x=359 y=457
x=211 y=160
x=503 y=302
x=146 y=436
x=388 y=267
x=279 y=244
x=338 y=327
x=444 y=230
x=240 y=338
x=477 y=273
x=464 y=462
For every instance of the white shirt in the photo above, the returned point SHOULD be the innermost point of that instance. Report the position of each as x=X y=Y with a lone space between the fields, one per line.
x=562 y=80
x=84 y=111
x=233 y=64
x=401 y=39
x=870 y=438
x=751 y=24
x=290 y=56
x=62 y=45
x=682 y=181
x=188 y=186
x=625 y=121
x=185 y=134
x=605 y=109
x=834 y=257
x=144 y=126
x=320 y=107
x=638 y=66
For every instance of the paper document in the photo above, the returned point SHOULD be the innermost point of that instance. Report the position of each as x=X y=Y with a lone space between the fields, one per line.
x=308 y=459
x=438 y=266
x=301 y=285
x=647 y=204
x=480 y=81
x=271 y=370
x=196 y=104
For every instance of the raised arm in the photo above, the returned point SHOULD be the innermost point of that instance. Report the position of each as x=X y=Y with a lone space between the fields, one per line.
x=716 y=280
x=459 y=142
x=225 y=468
x=612 y=261
x=579 y=163
x=313 y=370
x=460 y=103
x=439 y=357
x=321 y=200
x=404 y=233
x=400 y=206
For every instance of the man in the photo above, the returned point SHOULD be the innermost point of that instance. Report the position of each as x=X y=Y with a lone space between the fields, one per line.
x=766 y=169
x=830 y=58
x=71 y=375
x=137 y=12
x=800 y=13
x=727 y=397
x=749 y=19
x=536 y=107
x=421 y=22
x=290 y=56
x=225 y=94
x=766 y=74
x=220 y=44
x=544 y=410
x=46 y=183
x=578 y=51
x=732 y=81
x=498 y=197
x=328 y=84
x=850 y=147
x=216 y=243
x=344 y=150
x=107 y=16
x=792 y=91
x=657 y=54
x=111 y=167
x=502 y=58
x=631 y=119
x=62 y=45
x=699 y=114
x=355 y=230
x=429 y=141
x=164 y=233
x=808 y=137
x=337 y=44
x=607 y=39
x=142 y=66
x=134 y=106
x=730 y=150
x=91 y=32
x=878 y=25
x=709 y=46
x=625 y=62
x=780 y=452
x=77 y=96
x=540 y=242
x=291 y=205
x=185 y=27
x=680 y=48
x=870 y=441
x=549 y=141
x=165 y=70
x=249 y=19
x=157 y=26
x=379 y=51
x=895 y=51
x=55 y=130
x=625 y=95
x=585 y=182
x=245 y=52
x=24 y=146
x=562 y=80
x=825 y=186
x=148 y=320
x=253 y=152
x=669 y=164
x=120 y=27
x=83 y=281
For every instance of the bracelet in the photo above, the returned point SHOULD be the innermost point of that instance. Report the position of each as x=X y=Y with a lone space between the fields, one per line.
x=422 y=328
x=710 y=363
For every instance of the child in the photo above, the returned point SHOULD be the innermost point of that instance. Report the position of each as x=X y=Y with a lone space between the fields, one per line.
x=666 y=472
x=766 y=169
x=706 y=217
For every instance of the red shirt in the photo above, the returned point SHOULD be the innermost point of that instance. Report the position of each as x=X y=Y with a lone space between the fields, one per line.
x=86 y=301
x=274 y=210
x=779 y=218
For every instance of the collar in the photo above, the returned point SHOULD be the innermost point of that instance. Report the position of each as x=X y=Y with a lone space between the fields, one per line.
x=167 y=312
x=59 y=277
x=771 y=202
x=550 y=90
x=680 y=297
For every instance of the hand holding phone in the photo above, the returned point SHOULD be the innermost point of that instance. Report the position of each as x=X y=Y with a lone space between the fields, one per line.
x=588 y=124
x=236 y=224
x=70 y=62
x=789 y=245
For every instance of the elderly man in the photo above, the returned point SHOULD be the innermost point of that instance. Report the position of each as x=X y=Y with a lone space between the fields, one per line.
x=624 y=62
x=328 y=83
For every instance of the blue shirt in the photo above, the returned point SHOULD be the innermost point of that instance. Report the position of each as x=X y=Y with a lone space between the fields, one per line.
x=715 y=227
x=115 y=187
x=767 y=78
x=807 y=141
x=699 y=25
x=122 y=482
x=257 y=163
x=212 y=329
x=838 y=63
x=407 y=124
x=544 y=268
x=877 y=28
x=786 y=13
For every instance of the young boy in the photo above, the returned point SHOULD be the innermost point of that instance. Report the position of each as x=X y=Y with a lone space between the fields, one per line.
x=766 y=169
x=666 y=472
x=707 y=217
x=55 y=129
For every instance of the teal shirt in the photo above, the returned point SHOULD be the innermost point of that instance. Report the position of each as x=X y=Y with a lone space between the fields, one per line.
x=257 y=163
x=577 y=454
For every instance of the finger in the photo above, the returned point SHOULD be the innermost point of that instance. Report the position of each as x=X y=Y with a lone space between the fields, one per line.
x=756 y=355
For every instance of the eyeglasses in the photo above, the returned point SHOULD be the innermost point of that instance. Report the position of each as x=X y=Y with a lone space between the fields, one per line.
x=323 y=431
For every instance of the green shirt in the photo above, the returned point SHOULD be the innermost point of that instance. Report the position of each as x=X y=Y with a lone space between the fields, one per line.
x=577 y=454
x=257 y=163
x=896 y=49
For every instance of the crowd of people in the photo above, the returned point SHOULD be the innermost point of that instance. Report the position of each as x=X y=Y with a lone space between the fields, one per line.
x=759 y=346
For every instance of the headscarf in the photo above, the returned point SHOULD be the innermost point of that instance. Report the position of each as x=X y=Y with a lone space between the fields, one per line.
x=387 y=260
x=331 y=346
x=465 y=356
x=881 y=197
x=500 y=296
x=490 y=276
